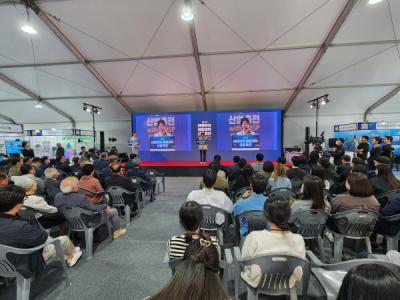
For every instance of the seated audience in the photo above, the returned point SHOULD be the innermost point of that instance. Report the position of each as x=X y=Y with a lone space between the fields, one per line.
x=133 y=158
x=232 y=171
x=90 y=184
x=51 y=183
x=345 y=167
x=279 y=179
x=295 y=171
x=107 y=170
x=255 y=201
x=146 y=182
x=360 y=196
x=389 y=228
x=44 y=163
x=221 y=183
x=102 y=162
x=329 y=172
x=360 y=169
x=282 y=160
x=19 y=233
x=70 y=197
x=84 y=154
x=3 y=180
x=268 y=168
x=76 y=167
x=313 y=197
x=36 y=163
x=209 y=196
x=258 y=165
x=16 y=164
x=62 y=165
x=197 y=276
x=304 y=165
x=314 y=158
x=241 y=164
x=29 y=171
x=319 y=171
x=278 y=239
x=370 y=282
x=191 y=218
x=384 y=181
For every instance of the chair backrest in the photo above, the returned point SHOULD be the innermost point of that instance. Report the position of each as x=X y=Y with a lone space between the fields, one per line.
x=73 y=215
x=311 y=222
x=7 y=269
x=152 y=173
x=284 y=192
x=388 y=196
x=238 y=194
x=359 y=222
x=256 y=220
x=117 y=195
x=296 y=184
x=209 y=218
x=173 y=263
x=328 y=195
x=276 y=271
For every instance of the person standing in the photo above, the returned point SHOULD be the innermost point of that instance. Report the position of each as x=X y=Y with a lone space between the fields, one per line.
x=59 y=150
x=339 y=152
x=363 y=148
x=134 y=143
x=375 y=152
x=27 y=151
x=202 y=141
x=387 y=148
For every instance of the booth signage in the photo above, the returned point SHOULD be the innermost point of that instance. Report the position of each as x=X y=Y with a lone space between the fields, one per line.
x=11 y=128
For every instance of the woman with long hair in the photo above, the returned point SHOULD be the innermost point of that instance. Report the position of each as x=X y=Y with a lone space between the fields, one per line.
x=384 y=180
x=197 y=276
x=279 y=179
x=191 y=218
x=370 y=282
x=320 y=172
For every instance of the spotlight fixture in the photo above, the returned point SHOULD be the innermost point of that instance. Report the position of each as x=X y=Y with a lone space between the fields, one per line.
x=187 y=14
x=27 y=28
x=93 y=110
x=38 y=105
x=374 y=1
x=317 y=103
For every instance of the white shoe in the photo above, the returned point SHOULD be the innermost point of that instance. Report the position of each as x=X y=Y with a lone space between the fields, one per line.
x=71 y=262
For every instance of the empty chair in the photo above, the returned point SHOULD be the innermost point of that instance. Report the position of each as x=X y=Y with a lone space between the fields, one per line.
x=276 y=270
x=141 y=192
x=159 y=181
x=358 y=227
x=117 y=200
x=284 y=192
x=8 y=270
x=77 y=223
x=210 y=223
x=310 y=225
x=330 y=276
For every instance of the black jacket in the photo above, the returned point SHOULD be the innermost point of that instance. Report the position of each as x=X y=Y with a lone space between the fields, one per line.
x=139 y=173
x=18 y=233
x=121 y=181
x=296 y=173
x=380 y=185
x=387 y=150
x=337 y=155
x=60 y=152
x=365 y=147
x=28 y=153
x=52 y=188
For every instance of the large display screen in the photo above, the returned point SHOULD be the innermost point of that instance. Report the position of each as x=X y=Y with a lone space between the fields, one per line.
x=174 y=136
x=13 y=147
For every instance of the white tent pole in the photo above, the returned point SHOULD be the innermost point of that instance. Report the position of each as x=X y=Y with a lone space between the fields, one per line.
x=378 y=103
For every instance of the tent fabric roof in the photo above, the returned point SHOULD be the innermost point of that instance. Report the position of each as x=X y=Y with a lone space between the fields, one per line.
x=253 y=54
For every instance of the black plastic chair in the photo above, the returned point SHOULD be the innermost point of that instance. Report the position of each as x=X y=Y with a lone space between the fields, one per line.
x=91 y=193
x=284 y=192
x=239 y=193
x=30 y=214
x=310 y=225
x=392 y=242
x=296 y=184
x=154 y=174
x=210 y=225
x=256 y=220
x=359 y=224
x=388 y=196
x=276 y=268
x=142 y=193
x=117 y=195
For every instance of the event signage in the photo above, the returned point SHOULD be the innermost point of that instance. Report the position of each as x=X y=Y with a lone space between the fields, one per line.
x=11 y=128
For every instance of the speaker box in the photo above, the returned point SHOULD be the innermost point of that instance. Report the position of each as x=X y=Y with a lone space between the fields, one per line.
x=332 y=143
x=102 y=144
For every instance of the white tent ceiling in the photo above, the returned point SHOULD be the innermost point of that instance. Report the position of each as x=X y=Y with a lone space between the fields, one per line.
x=252 y=54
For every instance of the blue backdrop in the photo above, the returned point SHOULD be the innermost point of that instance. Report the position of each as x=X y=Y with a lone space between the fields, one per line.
x=221 y=128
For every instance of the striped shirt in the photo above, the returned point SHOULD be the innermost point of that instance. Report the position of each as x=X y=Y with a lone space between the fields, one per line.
x=176 y=246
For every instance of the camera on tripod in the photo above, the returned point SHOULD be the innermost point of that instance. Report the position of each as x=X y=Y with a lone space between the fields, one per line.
x=317 y=142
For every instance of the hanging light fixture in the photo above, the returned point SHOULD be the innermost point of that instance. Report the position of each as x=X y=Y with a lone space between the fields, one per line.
x=38 y=105
x=187 y=14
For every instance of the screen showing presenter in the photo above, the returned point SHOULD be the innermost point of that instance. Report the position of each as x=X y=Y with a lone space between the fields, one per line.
x=245 y=127
x=162 y=129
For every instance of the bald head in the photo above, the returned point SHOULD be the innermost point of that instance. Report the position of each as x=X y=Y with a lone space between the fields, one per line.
x=69 y=185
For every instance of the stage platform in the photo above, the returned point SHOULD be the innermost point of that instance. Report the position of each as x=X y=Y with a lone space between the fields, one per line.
x=182 y=168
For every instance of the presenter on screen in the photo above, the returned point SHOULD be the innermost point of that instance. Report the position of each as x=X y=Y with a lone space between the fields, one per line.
x=135 y=143
x=162 y=129
x=202 y=141
x=245 y=127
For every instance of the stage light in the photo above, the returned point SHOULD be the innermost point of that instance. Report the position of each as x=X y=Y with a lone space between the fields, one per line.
x=28 y=29
x=374 y=1
x=98 y=111
x=312 y=106
x=38 y=105
x=187 y=14
x=88 y=109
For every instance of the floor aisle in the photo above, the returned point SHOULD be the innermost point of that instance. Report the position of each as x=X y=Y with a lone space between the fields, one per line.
x=132 y=268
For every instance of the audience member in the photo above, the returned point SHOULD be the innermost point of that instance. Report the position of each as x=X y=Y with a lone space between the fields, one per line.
x=303 y=163
x=29 y=171
x=389 y=228
x=360 y=196
x=69 y=197
x=51 y=183
x=62 y=165
x=196 y=277
x=282 y=160
x=319 y=171
x=329 y=173
x=255 y=201
x=295 y=171
x=268 y=169
x=76 y=167
x=258 y=165
x=27 y=151
x=360 y=169
x=243 y=178
x=221 y=183
x=370 y=282
x=233 y=170
x=90 y=184
x=59 y=150
x=339 y=152
x=102 y=162
x=279 y=179
x=209 y=196
x=3 y=180
x=107 y=170
x=357 y=161
x=278 y=239
x=363 y=148
x=84 y=154
x=387 y=148
x=17 y=232
x=385 y=180
x=345 y=166
x=191 y=218
x=376 y=151
x=314 y=158
x=36 y=163
x=313 y=197
x=16 y=164
x=44 y=163
x=146 y=182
